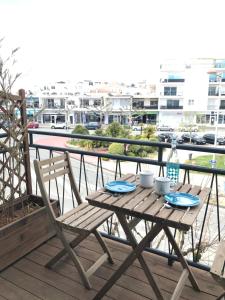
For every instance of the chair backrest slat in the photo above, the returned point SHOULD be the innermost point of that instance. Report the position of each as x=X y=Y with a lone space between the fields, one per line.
x=54 y=167
x=52 y=160
x=56 y=174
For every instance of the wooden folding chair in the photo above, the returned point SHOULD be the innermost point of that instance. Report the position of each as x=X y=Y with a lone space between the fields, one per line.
x=83 y=220
x=218 y=267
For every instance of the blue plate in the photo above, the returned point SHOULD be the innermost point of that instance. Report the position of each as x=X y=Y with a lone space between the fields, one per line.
x=120 y=186
x=182 y=199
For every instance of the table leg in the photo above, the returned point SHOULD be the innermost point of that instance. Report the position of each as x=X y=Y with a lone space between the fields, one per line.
x=181 y=257
x=128 y=261
x=134 y=244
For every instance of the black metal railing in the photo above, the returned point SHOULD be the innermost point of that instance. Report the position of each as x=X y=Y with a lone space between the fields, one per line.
x=92 y=171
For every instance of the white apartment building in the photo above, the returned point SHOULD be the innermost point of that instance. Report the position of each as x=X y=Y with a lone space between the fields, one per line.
x=88 y=101
x=193 y=91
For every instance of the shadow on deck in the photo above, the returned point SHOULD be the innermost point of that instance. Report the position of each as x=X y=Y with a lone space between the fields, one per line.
x=29 y=279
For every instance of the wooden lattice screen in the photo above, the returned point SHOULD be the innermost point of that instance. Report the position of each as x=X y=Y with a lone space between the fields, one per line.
x=15 y=178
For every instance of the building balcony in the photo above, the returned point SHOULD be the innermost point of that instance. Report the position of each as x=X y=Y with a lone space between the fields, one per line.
x=172 y=80
x=171 y=107
x=151 y=107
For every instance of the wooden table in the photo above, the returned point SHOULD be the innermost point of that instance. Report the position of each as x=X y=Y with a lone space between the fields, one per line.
x=145 y=204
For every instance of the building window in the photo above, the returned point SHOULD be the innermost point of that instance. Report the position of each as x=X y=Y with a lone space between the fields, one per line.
x=222 y=104
x=138 y=104
x=213 y=91
x=170 y=91
x=84 y=103
x=172 y=103
x=46 y=118
x=97 y=102
x=191 y=101
x=50 y=103
x=220 y=64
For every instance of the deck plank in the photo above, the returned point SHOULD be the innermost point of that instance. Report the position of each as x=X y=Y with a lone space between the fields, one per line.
x=29 y=279
x=10 y=291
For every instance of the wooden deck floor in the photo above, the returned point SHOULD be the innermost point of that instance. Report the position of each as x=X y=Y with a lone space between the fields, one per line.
x=29 y=279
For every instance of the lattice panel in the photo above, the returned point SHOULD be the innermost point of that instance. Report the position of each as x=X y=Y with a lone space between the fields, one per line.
x=12 y=158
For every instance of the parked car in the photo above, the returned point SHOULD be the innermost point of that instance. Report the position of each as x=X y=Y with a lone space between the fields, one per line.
x=187 y=137
x=32 y=124
x=198 y=140
x=164 y=128
x=167 y=137
x=59 y=126
x=92 y=125
x=210 y=139
x=163 y=136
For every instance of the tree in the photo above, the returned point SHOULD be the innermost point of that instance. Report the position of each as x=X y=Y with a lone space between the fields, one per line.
x=113 y=129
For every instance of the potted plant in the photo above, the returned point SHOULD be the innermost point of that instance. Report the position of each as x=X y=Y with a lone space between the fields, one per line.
x=24 y=223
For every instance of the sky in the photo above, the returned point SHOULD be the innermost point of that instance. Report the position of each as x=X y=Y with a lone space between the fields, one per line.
x=121 y=40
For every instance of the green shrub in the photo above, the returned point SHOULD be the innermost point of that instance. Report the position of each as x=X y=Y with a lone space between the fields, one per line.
x=143 y=153
x=87 y=144
x=136 y=149
x=131 y=154
x=100 y=144
x=152 y=148
x=79 y=129
x=116 y=148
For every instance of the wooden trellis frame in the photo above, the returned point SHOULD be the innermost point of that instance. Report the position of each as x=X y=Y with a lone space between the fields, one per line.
x=15 y=175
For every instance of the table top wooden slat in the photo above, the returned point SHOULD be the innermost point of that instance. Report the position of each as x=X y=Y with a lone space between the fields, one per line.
x=147 y=203
x=190 y=218
x=137 y=199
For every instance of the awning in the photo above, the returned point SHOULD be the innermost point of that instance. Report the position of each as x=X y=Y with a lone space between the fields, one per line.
x=142 y=113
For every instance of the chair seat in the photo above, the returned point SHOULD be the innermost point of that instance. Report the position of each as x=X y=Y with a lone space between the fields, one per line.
x=218 y=266
x=85 y=217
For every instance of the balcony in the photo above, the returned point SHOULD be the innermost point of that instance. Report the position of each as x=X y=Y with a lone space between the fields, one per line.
x=171 y=107
x=173 y=80
x=151 y=106
x=28 y=277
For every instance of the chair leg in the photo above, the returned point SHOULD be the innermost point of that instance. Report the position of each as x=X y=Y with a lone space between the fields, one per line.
x=103 y=245
x=63 y=252
x=75 y=260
